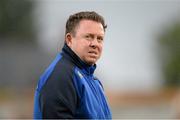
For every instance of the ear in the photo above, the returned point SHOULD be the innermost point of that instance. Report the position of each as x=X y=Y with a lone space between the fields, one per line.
x=68 y=39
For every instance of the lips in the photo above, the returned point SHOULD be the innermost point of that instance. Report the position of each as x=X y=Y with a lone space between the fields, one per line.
x=93 y=52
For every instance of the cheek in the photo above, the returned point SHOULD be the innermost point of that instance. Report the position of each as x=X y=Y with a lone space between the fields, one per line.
x=82 y=48
x=100 y=48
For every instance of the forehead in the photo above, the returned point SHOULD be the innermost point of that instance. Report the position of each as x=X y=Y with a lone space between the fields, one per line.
x=90 y=26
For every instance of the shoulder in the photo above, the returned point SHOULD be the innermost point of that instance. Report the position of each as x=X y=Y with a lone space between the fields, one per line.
x=59 y=84
x=61 y=75
x=99 y=82
x=58 y=93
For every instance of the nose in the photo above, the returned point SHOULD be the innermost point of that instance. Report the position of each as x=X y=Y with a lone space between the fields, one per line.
x=94 y=43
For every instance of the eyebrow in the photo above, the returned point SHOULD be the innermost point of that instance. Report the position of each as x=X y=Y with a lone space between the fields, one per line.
x=99 y=35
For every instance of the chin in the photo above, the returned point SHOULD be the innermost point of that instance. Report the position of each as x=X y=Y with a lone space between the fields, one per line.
x=91 y=62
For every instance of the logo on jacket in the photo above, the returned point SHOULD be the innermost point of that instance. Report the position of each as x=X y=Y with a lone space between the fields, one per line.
x=79 y=74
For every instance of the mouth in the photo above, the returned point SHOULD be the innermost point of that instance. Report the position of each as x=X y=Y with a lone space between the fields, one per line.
x=93 y=52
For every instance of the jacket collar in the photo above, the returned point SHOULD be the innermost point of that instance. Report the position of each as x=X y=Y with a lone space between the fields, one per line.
x=68 y=53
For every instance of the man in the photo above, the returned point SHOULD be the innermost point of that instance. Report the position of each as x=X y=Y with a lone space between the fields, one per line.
x=68 y=88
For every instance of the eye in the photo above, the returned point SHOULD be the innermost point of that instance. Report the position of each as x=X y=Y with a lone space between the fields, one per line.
x=89 y=37
x=100 y=39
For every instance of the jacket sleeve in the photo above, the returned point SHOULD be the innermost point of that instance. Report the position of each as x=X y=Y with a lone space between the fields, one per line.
x=58 y=98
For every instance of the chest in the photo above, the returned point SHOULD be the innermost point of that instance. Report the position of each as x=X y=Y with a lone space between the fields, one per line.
x=92 y=103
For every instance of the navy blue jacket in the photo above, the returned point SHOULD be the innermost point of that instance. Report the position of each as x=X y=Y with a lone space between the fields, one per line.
x=68 y=89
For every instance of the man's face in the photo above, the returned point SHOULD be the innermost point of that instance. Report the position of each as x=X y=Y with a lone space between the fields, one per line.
x=87 y=42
